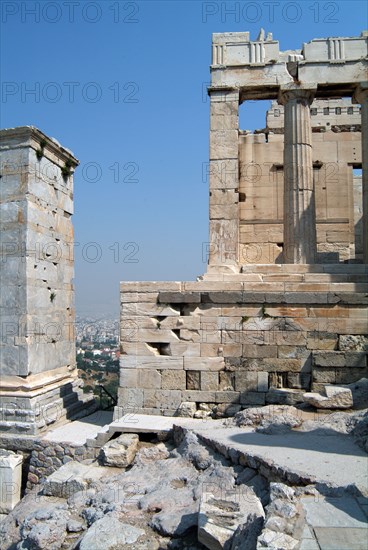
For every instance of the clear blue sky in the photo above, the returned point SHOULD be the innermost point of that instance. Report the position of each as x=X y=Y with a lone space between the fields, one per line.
x=122 y=84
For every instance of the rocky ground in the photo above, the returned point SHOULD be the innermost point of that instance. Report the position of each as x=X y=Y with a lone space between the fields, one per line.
x=174 y=494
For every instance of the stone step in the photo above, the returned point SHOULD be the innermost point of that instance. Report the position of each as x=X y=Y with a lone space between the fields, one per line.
x=99 y=440
x=246 y=278
x=79 y=431
x=81 y=408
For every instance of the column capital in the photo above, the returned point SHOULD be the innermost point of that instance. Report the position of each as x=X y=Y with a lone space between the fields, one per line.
x=289 y=92
x=361 y=93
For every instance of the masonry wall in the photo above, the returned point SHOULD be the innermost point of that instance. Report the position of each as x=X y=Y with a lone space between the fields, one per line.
x=241 y=342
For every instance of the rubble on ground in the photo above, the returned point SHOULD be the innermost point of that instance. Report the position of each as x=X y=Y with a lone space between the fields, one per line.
x=180 y=494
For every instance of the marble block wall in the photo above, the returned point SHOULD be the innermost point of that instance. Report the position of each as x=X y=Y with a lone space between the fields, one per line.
x=251 y=339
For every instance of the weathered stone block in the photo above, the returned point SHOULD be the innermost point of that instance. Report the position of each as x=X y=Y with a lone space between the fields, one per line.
x=163 y=399
x=284 y=396
x=128 y=378
x=329 y=359
x=279 y=365
x=336 y=398
x=227 y=397
x=324 y=375
x=204 y=363
x=252 y=398
x=151 y=309
x=150 y=286
x=293 y=352
x=350 y=342
x=179 y=297
x=173 y=380
x=223 y=174
x=209 y=381
x=192 y=380
x=157 y=335
x=350 y=375
x=223 y=144
x=184 y=349
x=231 y=297
x=298 y=381
x=10 y=480
x=138 y=297
x=199 y=396
x=71 y=478
x=130 y=398
x=356 y=359
x=148 y=378
x=262 y=381
x=246 y=381
x=226 y=381
x=242 y=520
x=187 y=322
x=159 y=362
x=120 y=452
x=289 y=338
x=251 y=350
x=186 y=409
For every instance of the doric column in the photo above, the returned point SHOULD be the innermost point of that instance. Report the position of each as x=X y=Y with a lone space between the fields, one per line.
x=361 y=96
x=224 y=178
x=300 y=244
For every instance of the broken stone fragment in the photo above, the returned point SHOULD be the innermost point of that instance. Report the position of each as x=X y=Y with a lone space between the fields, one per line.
x=175 y=522
x=120 y=452
x=186 y=409
x=276 y=541
x=44 y=529
x=145 y=455
x=109 y=533
x=231 y=516
x=280 y=490
x=337 y=397
x=274 y=414
x=71 y=478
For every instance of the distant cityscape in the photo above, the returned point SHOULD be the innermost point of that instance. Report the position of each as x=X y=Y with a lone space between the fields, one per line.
x=99 y=330
x=97 y=342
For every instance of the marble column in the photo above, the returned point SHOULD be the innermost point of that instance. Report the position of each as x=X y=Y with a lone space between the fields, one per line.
x=300 y=242
x=361 y=96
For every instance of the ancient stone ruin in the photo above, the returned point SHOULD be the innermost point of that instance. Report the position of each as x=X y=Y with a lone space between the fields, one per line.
x=39 y=385
x=279 y=318
x=282 y=307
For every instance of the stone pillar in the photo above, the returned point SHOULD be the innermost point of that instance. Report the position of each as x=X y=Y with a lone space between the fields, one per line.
x=361 y=96
x=39 y=385
x=10 y=480
x=224 y=179
x=300 y=243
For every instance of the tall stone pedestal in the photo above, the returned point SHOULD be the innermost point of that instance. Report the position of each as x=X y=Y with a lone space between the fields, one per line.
x=38 y=377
